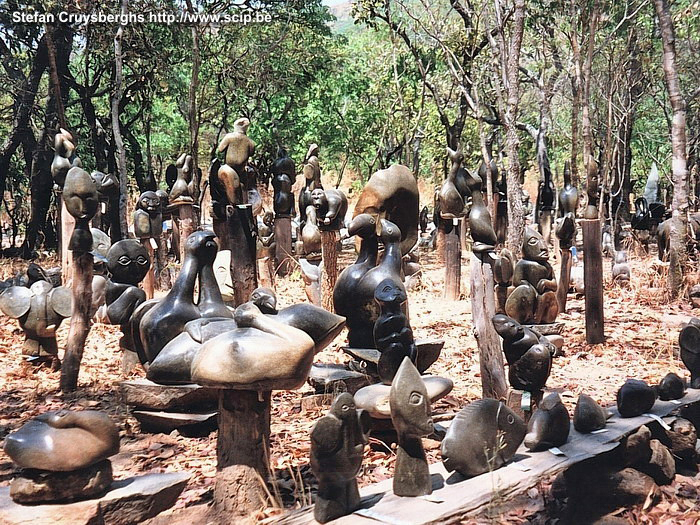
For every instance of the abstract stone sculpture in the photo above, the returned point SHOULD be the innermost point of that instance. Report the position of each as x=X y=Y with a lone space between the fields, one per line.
x=283 y=177
x=311 y=235
x=64 y=157
x=483 y=437
x=410 y=415
x=549 y=425
x=635 y=398
x=534 y=298
x=393 y=336
x=331 y=206
x=670 y=387
x=689 y=341
x=480 y=226
x=266 y=235
x=128 y=264
x=312 y=181
x=453 y=192
x=392 y=194
x=568 y=195
x=589 y=415
x=40 y=310
x=565 y=230
x=148 y=219
x=338 y=440
x=80 y=197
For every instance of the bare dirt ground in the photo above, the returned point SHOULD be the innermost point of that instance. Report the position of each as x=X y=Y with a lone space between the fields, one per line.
x=641 y=332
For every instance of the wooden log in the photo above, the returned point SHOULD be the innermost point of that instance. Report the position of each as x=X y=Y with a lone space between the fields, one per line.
x=265 y=273
x=593 y=280
x=523 y=403
x=79 y=321
x=149 y=280
x=493 y=376
x=283 y=245
x=329 y=272
x=453 y=262
x=185 y=226
x=67 y=222
x=163 y=281
x=442 y=226
x=242 y=453
x=241 y=232
x=564 y=278
x=221 y=230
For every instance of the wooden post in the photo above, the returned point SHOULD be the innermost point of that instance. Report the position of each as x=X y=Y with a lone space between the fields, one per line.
x=79 y=321
x=524 y=403
x=442 y=226
x=242 y=453
x=564 y=277
x=164 y=281
x=593 y=280
x=150 y=279
x=329 y=272
x=283 y=243
x=186 y=226
x=493 y=376
x=241 y=234
x=453 y=261
x=67 y=222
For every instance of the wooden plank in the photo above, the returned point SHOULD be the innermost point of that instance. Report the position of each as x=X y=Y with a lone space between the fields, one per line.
x=454 y=497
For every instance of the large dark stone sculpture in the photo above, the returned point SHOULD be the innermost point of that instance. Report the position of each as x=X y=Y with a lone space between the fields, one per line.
x=689 y=341
x=182 y=189
x=546 y=200
x=148 y=219
x=480 y=226
x=410 y=415
x=423 y=219
x=393 y=336
x=549 y=425
x=568 y=195
x=565 y=230
x=331 y=206
x=64 y=157
x=670 y=387
x=40 y=310
x=338 y=440
x=283 y=178
x=589 y=415
x=63 y=441
x=80 y=197
x=483 y=437
x=453 y=192
x=128 y=264
x=635 y=398
x=534 y=298
x=392 y=194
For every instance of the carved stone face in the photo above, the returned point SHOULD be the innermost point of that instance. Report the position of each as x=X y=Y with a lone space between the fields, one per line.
x=388 y=292
x=127 y=261
x=390 y=232
x=507 y=327
x=80 y=194
x=318 y=198
x=149 y=202
x=202 y=245
x=242 y=125
x=408 y=399
x=107 y=184
x=534 y=246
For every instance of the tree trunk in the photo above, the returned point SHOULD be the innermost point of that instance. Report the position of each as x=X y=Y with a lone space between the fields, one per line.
x=679 y=220
x=329 y=271
x=193 y=110
x=118 y=141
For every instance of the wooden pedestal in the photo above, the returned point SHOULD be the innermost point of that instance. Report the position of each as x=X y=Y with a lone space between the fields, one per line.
x=283 y=243
x=329 y=273
x=149 y=280
x=185 y=226
x=241 y=235
x=593 y=280
x=564 y=278
x=453 y=262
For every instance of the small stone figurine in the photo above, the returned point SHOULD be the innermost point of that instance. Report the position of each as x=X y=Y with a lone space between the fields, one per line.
x=64 y=158
x=312 y=181
x=80 y=197
x=338 y=440
x=283 y=177
x=534 y=298
x=549 y=426
x=148 y=221
x=331 y=205
x=410 y=415
x=181 y=190
x=393 y=336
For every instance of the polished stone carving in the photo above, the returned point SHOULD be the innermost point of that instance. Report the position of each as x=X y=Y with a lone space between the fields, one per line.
x=670 y=387
x=81 y=200
x=641 y=220
x=63 y=441
x=40 y=311
x=549 y=425
x=311 y=274
x=589 y=415
x=331 y=206
x=182 y=189
x=534 y=298
x=635 y=398
x=101 y=243
x=565 y=230
x=128 y=264
x=338 y=440
x=238 y=146
x=620 y=269
x=148 y=219
x=392 y=194
x=480 y=227
x=64 y=158
x=107 y=185
x=410 y=415
x=423 y=219
x=312 y=181
x=393 y=336
x=311 y=235
x=283 y=178
x=453 y=192
x=266 y=245
x=483 y=437
x=689 y=341
x=568 y=195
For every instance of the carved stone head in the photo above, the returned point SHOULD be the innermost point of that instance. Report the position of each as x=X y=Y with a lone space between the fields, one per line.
x=150 y=203
x=127 y=261
x=107 y=184
x=534 y=246
x=318 y=199
x=387 y=292
x=241 y=125
x=80 y=194
x=409 y=403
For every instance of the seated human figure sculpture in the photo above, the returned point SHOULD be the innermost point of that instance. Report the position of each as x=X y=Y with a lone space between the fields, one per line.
x=81 y=200
x=331 y=206
x=266 y=236
x=338 y=441
x=148 y=219
x=40 y=310
x=64 y=158
x=533 y=300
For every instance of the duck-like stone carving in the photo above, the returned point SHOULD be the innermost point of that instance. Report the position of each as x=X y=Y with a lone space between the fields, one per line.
x=549 y=425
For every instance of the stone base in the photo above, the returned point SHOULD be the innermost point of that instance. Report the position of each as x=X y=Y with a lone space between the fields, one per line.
x=427 y=352
x=334 y=379
x=128 y=501
x=547 y=329
x=187 y=424
x=142 y=393
x=40 y=486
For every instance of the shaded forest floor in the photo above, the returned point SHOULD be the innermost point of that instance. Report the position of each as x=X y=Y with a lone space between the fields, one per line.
x=642 y=335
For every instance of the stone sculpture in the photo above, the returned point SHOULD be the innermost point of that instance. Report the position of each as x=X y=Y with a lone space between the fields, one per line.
x=312 y=181
x=238 y=146
x=635 y=398
x=107 y=185
x=40 y=310
x=670 y=387
x=393 y=336
x=483 y=437
x=148 y=219
x=451 y=199
x=283 y=177
x=181 y=191
x=392 y=194
x=410 y=415
x=549 y=425
x=128 y=264
x=101 y=243
x=423 y=219
x=311 y=274
x=534 y=298
x=311 y=235
x=338 y=440
x=620 y=269
x=266 y=235
x=565 y=230
x=64 y=158
x=568 y=195
x=689 y=341
x=80 y=197
x=331 y=206
x=641 y=220
x=546 y=201
x=589 y=415
x=480 y=226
